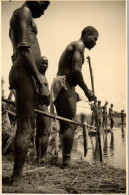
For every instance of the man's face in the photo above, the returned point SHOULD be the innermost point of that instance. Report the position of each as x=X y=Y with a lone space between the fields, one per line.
x=90 y=40
x=43 y=66
x=38 y=7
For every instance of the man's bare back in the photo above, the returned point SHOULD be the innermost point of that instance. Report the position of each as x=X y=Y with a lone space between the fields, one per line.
x=70 y=65
x=65 y=62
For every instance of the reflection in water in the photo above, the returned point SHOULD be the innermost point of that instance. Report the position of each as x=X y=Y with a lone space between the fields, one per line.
x=113 y=148
x=112 y=144
x=122 y=134
x=105 y=144
x=95 y=152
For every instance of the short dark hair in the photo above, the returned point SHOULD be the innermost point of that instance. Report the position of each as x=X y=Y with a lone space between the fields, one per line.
x=89 y=29
x=44 y=6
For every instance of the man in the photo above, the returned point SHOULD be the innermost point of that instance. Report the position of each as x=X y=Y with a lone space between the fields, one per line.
x=104 y=112
x=93 y=113
x=122 y=118
x=42 y=122
x=70 y=67
x=111 y=116
x=23 y=75
x=99 y=112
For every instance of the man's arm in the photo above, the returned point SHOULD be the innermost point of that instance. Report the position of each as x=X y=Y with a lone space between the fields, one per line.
x=24 y=19
x=77 y=74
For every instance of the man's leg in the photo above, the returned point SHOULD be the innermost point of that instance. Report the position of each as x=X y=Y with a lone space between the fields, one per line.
x=43 y=133
x=25 y=105
x=106 y=122
x=66 y=107
x=92 y=118
x=22 y=142
x=103 y=122
x=112 y=123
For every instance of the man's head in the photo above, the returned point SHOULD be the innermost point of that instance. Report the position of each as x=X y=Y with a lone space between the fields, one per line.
x=99 y=102
x=106 y=103
x=44 y=65
x=111 y=105
x=37 y=7
x=122 y=111
x=89 y=36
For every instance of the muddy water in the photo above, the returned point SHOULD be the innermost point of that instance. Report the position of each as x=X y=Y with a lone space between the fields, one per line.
x=113 y=148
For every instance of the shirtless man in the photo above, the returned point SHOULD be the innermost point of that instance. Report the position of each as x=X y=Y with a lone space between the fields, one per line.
x=23 y=76
x=122 y=118
x=70 y=66
x=42 y=122
x=93 y=113
x=111 y=116
x=104 y=111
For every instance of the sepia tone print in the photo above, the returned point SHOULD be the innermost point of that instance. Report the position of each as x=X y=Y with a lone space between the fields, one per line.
x=64 y=97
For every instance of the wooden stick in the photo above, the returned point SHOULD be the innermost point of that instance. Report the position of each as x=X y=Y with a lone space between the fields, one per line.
x=96 y=114
x=85 y=136
x=49 y=115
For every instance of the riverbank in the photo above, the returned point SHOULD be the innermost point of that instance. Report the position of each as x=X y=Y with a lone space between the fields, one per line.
x=83 y=178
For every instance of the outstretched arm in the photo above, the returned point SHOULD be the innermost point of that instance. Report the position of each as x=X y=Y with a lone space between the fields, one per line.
x=77 y=74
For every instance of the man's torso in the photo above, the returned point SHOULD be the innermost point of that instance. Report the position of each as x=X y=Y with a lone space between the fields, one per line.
x=65 y=62
x=31 y=32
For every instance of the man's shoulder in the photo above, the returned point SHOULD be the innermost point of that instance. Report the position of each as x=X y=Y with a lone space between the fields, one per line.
x=23 y=12
x=78 y=45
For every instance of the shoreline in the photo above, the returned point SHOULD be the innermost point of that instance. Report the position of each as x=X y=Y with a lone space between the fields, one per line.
x=83 y=178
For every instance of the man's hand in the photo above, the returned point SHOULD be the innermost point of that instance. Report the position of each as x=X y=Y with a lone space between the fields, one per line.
x=43 y=94
x=90 y=95
x=43 y=100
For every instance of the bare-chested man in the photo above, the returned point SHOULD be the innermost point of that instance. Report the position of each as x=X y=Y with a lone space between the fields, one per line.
x=111 y=116
x=23 y=75
x=42 y=122
x=104 y=108
x=70 y=66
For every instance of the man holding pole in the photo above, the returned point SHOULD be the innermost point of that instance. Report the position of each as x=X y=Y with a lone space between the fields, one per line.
x=70 y=67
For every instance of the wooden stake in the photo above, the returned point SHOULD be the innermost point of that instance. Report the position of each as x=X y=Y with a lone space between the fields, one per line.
x=96 y=114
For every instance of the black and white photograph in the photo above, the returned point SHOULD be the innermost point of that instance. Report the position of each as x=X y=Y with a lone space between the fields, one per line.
x=64 y=121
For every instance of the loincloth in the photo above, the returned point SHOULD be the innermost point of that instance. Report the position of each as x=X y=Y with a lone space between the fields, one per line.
x=57 y=85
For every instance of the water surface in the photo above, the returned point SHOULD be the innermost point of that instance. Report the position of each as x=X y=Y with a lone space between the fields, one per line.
x=113 y=148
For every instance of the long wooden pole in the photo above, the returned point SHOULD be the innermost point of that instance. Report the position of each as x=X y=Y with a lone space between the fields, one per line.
x=84 y=125
x=96 y=114
x=48 y=115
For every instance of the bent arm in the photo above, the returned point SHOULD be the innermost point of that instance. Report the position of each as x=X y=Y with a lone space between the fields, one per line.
x=76 y=70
